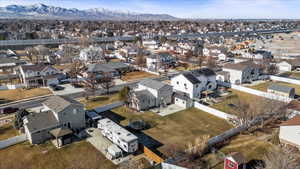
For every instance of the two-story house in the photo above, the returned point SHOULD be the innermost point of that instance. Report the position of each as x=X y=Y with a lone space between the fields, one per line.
x=60 y=114
x=193 y=83
x=242 y=72
x=39 y=75
x=92 y=54
x=160 y=60
x=150 y=93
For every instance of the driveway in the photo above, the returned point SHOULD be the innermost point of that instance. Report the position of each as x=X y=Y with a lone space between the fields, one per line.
x=170 y=109
x=69 y=89
x=101 y=143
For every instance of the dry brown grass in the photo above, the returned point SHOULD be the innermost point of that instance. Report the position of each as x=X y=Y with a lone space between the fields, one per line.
x=131 y=76
x=78 y=155
x=7 y=131
x=99 y=101
x=19 y=94
x=264 y=86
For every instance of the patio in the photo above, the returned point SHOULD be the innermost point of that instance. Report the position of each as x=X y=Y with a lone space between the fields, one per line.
x=170 y=109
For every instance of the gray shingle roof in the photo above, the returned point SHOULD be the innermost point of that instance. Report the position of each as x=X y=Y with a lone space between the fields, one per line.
x=39 y=121
x=204 y=71
x=143 y=95
x=280 y=88
x=59 y=103
x=191 y=78
x=153 y=84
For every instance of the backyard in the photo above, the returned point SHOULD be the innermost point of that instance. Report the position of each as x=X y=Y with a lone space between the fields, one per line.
x=228 y=104
x=7 y=131
x=132 y=76
x=46 y=156
x=176 y=129
x=19 y=94
x=264 y=86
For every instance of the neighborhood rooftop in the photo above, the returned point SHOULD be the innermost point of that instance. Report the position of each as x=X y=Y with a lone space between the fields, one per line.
x=154 y=84
x=284 y=89
x=59 y=103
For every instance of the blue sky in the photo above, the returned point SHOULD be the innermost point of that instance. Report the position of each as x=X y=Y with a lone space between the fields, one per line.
x=185 y=8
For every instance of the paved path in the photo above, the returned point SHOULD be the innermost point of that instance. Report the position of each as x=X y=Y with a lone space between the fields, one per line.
x=12 y=141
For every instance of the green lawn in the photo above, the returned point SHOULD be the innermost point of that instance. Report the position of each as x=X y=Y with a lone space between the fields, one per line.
x=177 y=129
x=78 y=155
x=264 y=86
x=232 y=99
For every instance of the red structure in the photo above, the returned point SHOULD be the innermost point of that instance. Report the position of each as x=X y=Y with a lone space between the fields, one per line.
x=235 y=160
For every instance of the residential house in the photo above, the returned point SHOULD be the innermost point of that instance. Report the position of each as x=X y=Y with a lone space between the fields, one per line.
x=223 y=76
x=235 y=160
x=127 y=141
x=58 y=116
x=8 y=65
x=183 y=100
x=193 y=83
x=39 y=75
x=114 y=69
x=288 y=65
x=151 y=44
x=242 y=72
x=290 y=132
x=92 y=54
x=160 y=60
x=150 y=93
x=281 y=90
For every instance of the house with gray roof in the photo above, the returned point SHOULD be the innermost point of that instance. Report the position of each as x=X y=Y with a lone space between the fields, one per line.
x=282 y=90
x=58 y=114
x=150 y=93
x=115 y=69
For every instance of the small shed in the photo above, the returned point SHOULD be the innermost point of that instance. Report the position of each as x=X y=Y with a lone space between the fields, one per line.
x=114 y=151
x=235 y=160
x=282 y=90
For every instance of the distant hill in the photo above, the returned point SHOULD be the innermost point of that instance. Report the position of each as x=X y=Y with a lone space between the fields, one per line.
x=42 y=11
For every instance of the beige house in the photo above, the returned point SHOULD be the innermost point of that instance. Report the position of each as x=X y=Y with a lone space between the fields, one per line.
x=59 y=116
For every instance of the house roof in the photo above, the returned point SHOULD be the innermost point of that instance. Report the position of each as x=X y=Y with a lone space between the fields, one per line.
x=280 y=88
x=203 y=71
x=39 y=121
x=153 y=84
x=293 y=62
x=62 y=131
x=99 y=68
x=224 y=73
x=59 y=103
x=35 y=68
x=190 y=77
x=143 y=94
x=295 y=121
x=238 y=157
x=240 y=65
x=116 y=65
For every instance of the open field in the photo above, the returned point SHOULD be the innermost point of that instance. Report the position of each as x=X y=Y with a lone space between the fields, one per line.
x=19 y=94
x=99 y=101
x=232 y=99
x=176 y=129
x=264 y=86
x=131 y=76
x=79 y=155
x=7 y=131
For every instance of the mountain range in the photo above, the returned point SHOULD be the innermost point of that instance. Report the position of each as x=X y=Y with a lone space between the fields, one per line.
x=42 y=11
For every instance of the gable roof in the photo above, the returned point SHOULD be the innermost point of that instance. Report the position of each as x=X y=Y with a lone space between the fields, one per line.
x=35 y=68
x=280 y=88
x=295 y=121
x=293 y=62
x=99 y=68
x=238 y=157
x=190 y=77
x=203 y=71
x=59 y=132
x=153 y=84
x=143 y=94
x=39 y=121
x=59 y=103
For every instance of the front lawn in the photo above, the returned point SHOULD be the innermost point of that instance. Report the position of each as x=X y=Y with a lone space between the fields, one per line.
x=99 y=101
x=78 y=155
x=19 y=94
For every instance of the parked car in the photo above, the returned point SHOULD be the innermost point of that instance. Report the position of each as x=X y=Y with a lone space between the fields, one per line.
x=8 y=110
x=55 y=87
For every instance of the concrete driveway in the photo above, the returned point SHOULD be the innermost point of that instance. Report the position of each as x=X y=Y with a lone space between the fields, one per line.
x=69 y=89
x=170 y=109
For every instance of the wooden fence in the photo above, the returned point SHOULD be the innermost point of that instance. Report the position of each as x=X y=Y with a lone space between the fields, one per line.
x=152 y=155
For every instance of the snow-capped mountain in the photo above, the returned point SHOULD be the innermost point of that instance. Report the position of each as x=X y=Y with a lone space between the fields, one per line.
x=41 y=11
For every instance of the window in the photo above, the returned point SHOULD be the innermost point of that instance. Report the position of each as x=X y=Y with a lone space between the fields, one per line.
x=177 y=82
x=231 y=164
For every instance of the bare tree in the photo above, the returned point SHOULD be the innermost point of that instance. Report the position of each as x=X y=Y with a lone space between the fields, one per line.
x=106 y=82
x=211 y=62
x=140 y=60
x=92 y=85
x=30 y=53
x=281 y=160
x=76 y=69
